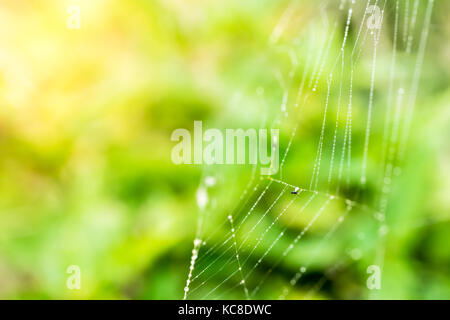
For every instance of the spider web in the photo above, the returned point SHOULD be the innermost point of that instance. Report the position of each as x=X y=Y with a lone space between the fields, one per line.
x=363 y=80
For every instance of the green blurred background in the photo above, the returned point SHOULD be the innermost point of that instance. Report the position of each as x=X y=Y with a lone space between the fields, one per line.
x=86 y=177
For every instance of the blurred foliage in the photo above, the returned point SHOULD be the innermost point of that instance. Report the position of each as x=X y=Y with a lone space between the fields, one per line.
x=85 y=172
